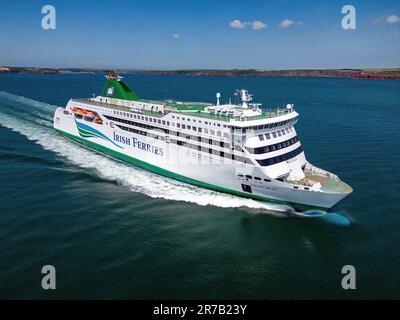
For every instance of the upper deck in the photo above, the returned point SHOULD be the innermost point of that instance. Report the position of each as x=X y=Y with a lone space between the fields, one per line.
x=117 y=95
x=195 y=110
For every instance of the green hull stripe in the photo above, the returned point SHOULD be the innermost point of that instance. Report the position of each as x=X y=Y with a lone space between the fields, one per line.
x=166 y=173
x=88 y=133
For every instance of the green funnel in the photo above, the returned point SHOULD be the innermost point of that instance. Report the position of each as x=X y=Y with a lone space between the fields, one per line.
x=116 y=88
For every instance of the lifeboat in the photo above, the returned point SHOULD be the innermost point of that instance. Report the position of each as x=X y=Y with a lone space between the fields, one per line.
x=78 y=111
x=88 y=115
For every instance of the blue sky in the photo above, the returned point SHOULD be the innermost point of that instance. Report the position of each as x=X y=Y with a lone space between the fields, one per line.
x=201 y=34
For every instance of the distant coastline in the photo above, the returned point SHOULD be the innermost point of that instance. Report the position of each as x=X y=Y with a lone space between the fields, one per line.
x=384 y=74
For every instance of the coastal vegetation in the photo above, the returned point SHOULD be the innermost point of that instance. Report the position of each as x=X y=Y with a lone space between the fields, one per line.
x=392 y=74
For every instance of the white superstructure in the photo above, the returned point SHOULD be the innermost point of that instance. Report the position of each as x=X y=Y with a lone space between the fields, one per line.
x=234 y=148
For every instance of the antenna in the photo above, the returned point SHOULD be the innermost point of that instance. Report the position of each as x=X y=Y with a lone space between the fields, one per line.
x=218 y=95
x=246 y=97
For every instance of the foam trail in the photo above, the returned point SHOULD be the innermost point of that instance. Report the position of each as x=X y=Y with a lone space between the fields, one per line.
x=324 y=216
x=336 y=219
x=37 y=127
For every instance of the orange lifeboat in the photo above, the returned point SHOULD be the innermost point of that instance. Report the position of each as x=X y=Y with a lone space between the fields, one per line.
x=88 y=114
x=78 y=111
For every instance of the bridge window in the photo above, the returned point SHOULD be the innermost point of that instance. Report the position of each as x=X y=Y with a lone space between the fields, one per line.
x=283 y=157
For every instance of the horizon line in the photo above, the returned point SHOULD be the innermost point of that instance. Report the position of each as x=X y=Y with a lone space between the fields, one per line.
x=201 y=69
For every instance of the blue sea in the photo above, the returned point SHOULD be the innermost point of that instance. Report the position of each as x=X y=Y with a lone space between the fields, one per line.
x=115 y=231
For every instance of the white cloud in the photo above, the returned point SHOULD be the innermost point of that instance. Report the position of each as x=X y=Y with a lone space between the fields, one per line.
x=237 y=24
x=288 y=23
x=255 y=25
x=285 y=24
x=176 y=36
x=389 y=19
x=393 y=19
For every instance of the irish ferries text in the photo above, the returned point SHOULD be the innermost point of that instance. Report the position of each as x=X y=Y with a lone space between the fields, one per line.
x=134 y=142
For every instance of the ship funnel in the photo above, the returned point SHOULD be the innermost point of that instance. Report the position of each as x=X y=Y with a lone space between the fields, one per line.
x=116 y=88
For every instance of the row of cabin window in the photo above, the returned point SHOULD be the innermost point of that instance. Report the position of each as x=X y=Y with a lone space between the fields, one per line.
x=144 y=118
x=178 y=125
x=143 y=133
x=206 y=131
x=212 y=132
x=280 y=158
x=265 y=126
x=189 y=145
x=251 y=177
x=205 y=122
x=210 y=151
x=167 y=131
x=200 y=139
x=273 y=147
x=275 y=134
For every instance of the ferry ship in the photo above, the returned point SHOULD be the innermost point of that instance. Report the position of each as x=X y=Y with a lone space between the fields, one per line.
x=237 y=148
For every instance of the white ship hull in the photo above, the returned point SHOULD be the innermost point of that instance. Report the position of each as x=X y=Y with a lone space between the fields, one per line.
x=186 y=164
